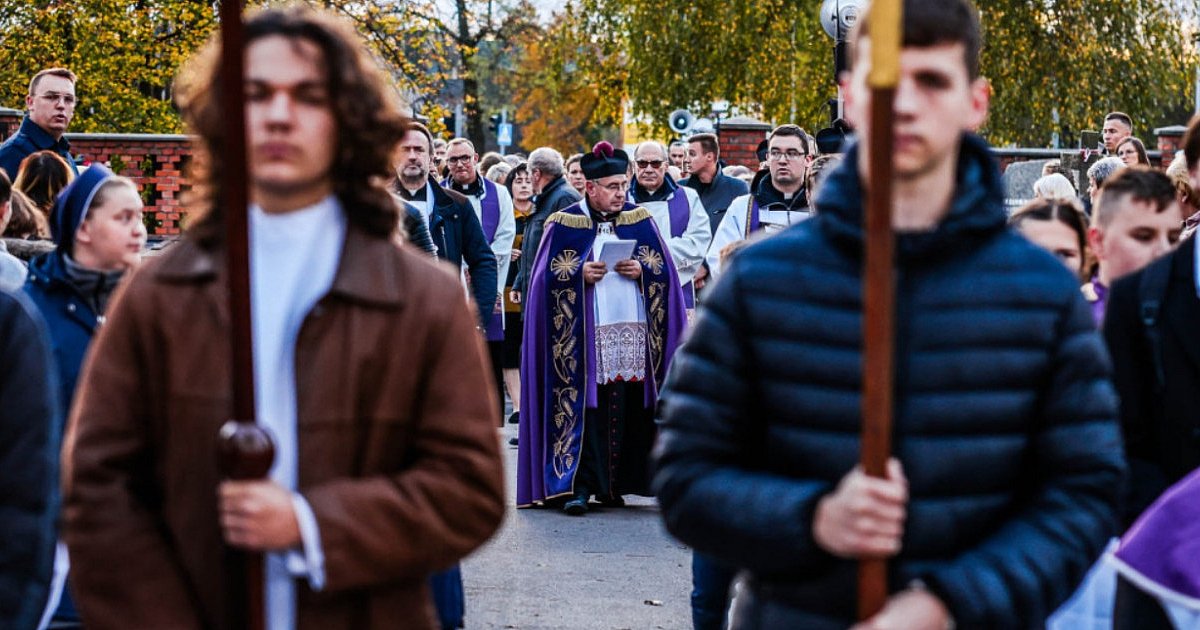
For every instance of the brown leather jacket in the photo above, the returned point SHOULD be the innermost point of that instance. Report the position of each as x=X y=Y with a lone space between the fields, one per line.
x=397 y=447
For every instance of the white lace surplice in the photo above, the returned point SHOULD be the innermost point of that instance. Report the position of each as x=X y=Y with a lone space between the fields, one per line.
x=620 y=322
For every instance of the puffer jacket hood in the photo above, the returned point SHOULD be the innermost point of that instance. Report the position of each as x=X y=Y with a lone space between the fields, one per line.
x=976 y=211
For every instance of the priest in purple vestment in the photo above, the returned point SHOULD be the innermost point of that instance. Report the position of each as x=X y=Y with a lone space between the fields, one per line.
x=603 y=317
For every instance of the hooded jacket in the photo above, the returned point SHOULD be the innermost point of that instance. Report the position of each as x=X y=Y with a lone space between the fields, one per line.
x=1004 y=414
x=70 y=298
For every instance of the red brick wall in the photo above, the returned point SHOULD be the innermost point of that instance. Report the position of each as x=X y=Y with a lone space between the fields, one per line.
x=739 y=140
x=155 y=162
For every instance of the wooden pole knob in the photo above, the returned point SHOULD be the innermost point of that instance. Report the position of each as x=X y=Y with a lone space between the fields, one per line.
x=245 y=450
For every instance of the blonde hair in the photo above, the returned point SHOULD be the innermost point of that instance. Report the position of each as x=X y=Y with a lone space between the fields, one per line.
x=1188 y=195
x=1054 y=186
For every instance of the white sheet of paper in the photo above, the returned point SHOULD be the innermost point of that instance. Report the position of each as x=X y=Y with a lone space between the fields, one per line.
x=613 y=252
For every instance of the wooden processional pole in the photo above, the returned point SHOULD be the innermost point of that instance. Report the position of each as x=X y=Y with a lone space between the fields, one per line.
x=879 y=290
x=245 y=449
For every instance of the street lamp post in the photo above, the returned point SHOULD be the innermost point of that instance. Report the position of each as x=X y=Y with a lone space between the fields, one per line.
x=1196 y=39
x=837 y=18
x=719 y=109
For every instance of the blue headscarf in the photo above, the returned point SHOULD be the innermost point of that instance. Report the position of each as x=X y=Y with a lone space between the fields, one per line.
x=72 y=205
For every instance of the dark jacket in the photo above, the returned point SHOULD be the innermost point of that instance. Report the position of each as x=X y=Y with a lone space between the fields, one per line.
x=1004 y=414
x=459 y=237
x=30 y=434
x=1161 y=428
x=29 y=139
x=416 y=230
x=769 y=197
x=396 y=444
x=70 y=317
x=717 y=194
x=554 y=197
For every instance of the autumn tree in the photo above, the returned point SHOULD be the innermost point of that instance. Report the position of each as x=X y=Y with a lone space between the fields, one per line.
x=569 y=88
x=408 y=38
x=768 y=58
x=125 y=53
x=1070 y=59
x=1075 y=60
x=500 y=31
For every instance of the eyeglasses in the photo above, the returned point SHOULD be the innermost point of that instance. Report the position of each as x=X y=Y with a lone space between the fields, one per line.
x=790 y=156
x=649 y=163
x=55 y=97
x=459 y=159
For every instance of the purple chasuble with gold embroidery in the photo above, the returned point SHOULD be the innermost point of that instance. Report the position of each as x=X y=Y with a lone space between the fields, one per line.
x=558 y=362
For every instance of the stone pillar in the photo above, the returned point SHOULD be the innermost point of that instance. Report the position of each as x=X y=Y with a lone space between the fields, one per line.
x=740 y=137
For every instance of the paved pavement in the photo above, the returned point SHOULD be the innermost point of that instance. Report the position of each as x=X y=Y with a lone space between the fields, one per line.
x=614 y=568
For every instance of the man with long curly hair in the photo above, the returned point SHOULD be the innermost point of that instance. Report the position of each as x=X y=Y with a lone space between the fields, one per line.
x=363 y=347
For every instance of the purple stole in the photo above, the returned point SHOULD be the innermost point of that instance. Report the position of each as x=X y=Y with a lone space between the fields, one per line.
x=1159 y=554
x=489 y=210
x=558 y=358
x=680 y=212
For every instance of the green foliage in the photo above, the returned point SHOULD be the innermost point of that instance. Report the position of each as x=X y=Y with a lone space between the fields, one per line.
x=770 y=58
x=127 y=52
x=124 y=52
x=410 y=41
x=568 y=88
x=1082 y=59
x=574 y=79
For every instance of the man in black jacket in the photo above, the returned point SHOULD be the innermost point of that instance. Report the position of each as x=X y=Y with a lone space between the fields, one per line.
x=457 y=234
x=1150 y=327
x=1007 y=456
x=552 y=193
x=29 y=445
x=716 y=189
x=1155 y=367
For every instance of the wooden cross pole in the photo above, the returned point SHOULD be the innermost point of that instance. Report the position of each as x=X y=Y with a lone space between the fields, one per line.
x=245 y=450
x=879 y=291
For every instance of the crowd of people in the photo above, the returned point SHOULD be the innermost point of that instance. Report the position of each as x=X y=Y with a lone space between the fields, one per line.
x=660 y=323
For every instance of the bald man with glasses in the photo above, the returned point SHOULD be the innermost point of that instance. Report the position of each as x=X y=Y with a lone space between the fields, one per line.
x=50 y=106
x=678 y=213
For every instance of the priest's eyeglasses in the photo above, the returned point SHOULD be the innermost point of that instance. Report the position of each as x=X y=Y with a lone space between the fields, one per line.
x=790 y=155
x=458 y=159
x=649 y=163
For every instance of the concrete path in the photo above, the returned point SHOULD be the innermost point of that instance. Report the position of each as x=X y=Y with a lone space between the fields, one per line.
x=612 y=569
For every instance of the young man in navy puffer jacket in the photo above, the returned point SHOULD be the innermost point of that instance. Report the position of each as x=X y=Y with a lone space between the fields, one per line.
x=1007 y=456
